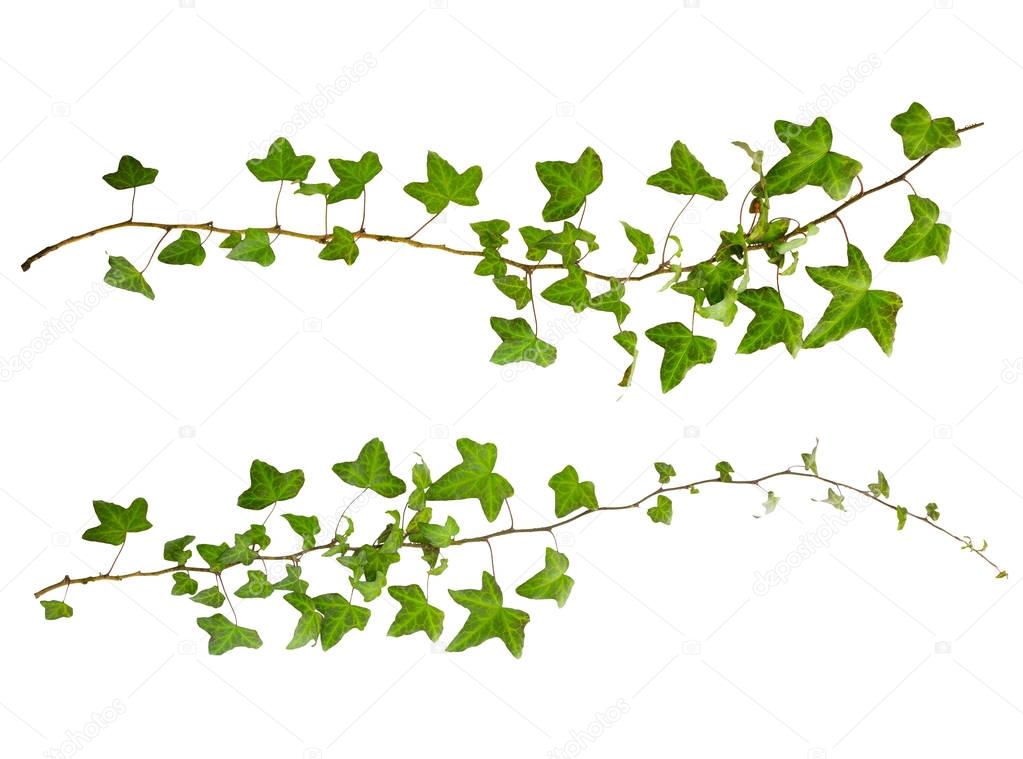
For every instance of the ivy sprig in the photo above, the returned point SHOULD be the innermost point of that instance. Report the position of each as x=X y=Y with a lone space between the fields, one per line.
x=327 y=617
x=553 y=266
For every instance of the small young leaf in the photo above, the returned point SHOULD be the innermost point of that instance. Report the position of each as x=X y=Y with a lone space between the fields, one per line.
x=210 y=596
x=176 y=550
x=570 y=494
x=254 y=247
x=123 y=275
x=292 y=581
x=770 y=503
x=880 y=488
x=901 y=512
x=306 y=528
x=491 y=233
x=628 y=342
x=611 y=301
x=569 y=291
x=551 y=582
x=932 y=512
x=342 y=247
x=664 y=472
x=56 y=610
x=834 y=498
x=724 y=470
x=641 y=241
x=810 y=459
x=661 y=512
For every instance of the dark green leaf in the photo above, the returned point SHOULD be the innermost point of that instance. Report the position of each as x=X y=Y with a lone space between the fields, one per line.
x=115 y=522
x=342 y=247
x=176 y=550
x=281 y=164
x=257 y=586
x=123 y=275
x=520 y=343
x=187 y=249
x=210 y=597
x=184 y=584
x=254 y=247
x=130 y=174
x=569 y=291
x=724 y=470
x=353 y=176
x=611 y=301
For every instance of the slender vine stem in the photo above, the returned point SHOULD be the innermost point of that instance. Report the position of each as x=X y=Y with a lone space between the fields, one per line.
x=791 y=472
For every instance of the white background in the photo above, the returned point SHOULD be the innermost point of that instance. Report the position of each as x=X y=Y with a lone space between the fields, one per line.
x=879 y=642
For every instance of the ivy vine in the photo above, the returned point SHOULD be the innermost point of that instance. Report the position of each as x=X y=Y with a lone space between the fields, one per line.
x=716 y=285
x=327 y=617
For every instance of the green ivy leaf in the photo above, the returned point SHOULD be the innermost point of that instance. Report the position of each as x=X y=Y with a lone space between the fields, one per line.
x=292 y=580
x=611 y=301
x=231 y=240
x=880 y=488
x=682 y=351
x=641 y=241
x=308 y=628
x=520 y=343
x=210 y=597
x=491 y=264
x=566 y=242
x=810 y=161
x=225 y=635
x=569 y=291
x=924 y=236
x=922 y=135
x=551 y=582
x=130 y=174
x=661 y=512
x=491 y=232
x=268 y=485
x=415 y=614
x=628 y=342
x=314 y=188
x=257 y=586
x=353 y=176
x=339 y=618
x=115 y=522
x=687 y=176
x=569 y=183
x=834 y=498
x=853 y=304
x=306 y=528
x=176 y=550
x=254 y=247
x=56 y=610
x=932 y=512
x=772 y=323
x=724 y=470
x=489 y=618
x=570 y=494
x=810 y=459
x=474 y=478
x=281 y=164
x=184 y=584
x=124 y=276
x=664 y=472
x=445 y=185
x=515 y=288
x=534 y=238
x=213 y=555
x=187 y=249
x=420 y=530
x=342 y=247
x=901 y=512
x=372 y=469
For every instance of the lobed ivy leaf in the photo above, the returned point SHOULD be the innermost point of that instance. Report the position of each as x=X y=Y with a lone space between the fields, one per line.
x=810 y=161
x=921 y=135
x=421 y=530
x=177 y=550
x=879 y=489
x=660 y=512
x=254 y=247
x=187 y=249
x=372 y=470
x=115 y=522
x=445 y=185
x=488 y=618
x=415 y=614
x=932 y=512
x=516 y=288
x=257 y=586
x=534 y=238
x=551 y=582
x=474 y=478
x=210 y=597
x=124 y=276
x=341 y=247
x=682 y=351
x=664 y=472
x=491 y=232
x=130 y=174
x=853 y=304
x=724 y=470
x=308 y=628
x=56 y=610
x=339 y=618
x=306 y=528
x=611 y=301
x=924 y=236
x=226 y=635
x=570 y=494
x=641 y=241
x=566 y=242
x=491 y=264
x=281 y=164
x=772 y=323
x=184 y=584
x=834 y=498
x=810 y=459
x=353 y=176
x=292 y=580
x=569 y=183
x=520 y=343
x=901 y=512
x=687 y=176
x=268 y=485
x=569 y=291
